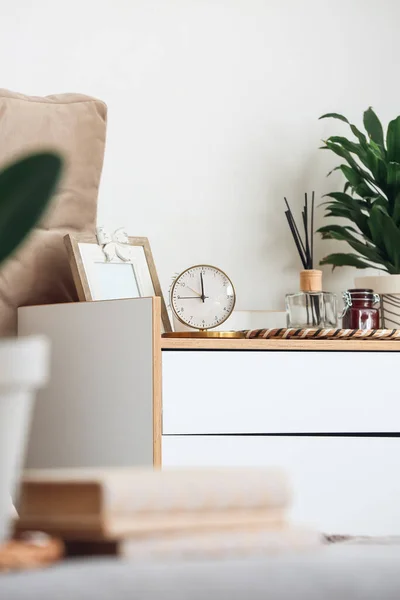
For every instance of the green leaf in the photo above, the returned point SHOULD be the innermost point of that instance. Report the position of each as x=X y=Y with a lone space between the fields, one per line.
x=351 y=175
x=374 y=128
x=347 y=144
x=393 y=184
x=356 y=216
x=375 y=223
x=385 y=234
x=357 y=182
x=344 y=152
x=362 y=181
x=391 y=240
x=332 y=231
x=393 y=141
x=396 y=210
x=345 y=260
x=367 y=251
x=380 y=203
x=370 y=156
x=393 y=173
x=335 y=169
x=376 y=150
x=25 y=190
x=347 y=200
x=360 y=136
x=334 y=116
x=344 y=234
x=359 y=219
x=374 y=157
x=337 y=210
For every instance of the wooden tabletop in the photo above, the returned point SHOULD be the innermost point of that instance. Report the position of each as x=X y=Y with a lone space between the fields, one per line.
x=260 y=344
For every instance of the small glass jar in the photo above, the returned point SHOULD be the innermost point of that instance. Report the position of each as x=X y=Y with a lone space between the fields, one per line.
x=360 y=310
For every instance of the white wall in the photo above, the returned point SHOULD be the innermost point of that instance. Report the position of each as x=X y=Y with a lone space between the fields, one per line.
x=213 y=108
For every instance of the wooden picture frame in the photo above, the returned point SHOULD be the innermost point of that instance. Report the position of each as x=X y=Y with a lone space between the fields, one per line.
x=144 y=279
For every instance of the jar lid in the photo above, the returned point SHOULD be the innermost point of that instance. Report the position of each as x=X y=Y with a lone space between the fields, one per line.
x=358 y=294
x=365 y=293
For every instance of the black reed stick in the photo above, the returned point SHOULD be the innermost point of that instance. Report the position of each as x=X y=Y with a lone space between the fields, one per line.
x=295 y=227
x=292 y=226
x=312 y=230
x=305 y=248
x=305 y=223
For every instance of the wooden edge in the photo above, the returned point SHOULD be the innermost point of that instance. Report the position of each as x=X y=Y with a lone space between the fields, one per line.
x=259 y=344
x=72 y=242
x=144 y=242
x=157 y=384
x=77 y=268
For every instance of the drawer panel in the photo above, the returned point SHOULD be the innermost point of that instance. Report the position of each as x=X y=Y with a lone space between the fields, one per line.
x=341 y=485
x=280 y=392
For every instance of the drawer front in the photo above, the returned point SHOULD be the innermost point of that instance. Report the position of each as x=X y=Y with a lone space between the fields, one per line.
x=341 y=485
x=280 y=392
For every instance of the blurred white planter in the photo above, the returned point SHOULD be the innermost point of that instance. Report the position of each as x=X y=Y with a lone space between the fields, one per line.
x=381 y=284
x=388 y=287
x=244 y=319
x=24 y=366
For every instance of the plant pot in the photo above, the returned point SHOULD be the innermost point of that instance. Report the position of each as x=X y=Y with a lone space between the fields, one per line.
x=388 y=287
x=23 y=369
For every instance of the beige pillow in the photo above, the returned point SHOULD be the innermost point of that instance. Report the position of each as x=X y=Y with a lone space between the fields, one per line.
x=74 y=125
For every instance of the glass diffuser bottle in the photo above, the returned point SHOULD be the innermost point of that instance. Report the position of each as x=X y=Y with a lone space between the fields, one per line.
x=311 y=307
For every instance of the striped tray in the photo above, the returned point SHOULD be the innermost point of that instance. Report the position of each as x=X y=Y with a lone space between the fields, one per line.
x=323 y=334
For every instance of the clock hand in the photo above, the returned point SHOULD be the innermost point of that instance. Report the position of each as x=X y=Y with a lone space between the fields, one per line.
x=190 y=297
x=202 y=287
x=194 y=291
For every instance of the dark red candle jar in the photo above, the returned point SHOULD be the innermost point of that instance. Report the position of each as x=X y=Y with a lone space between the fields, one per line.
x=360 y=309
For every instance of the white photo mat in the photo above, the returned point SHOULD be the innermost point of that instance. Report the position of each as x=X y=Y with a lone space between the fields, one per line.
x=116 y=278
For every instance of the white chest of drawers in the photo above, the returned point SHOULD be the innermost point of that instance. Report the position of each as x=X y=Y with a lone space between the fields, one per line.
x=328 y=412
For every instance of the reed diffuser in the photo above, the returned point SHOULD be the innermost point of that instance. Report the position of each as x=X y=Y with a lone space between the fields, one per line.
x=311 y=307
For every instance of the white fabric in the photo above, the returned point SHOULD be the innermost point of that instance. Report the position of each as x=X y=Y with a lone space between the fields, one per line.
x=333 y=572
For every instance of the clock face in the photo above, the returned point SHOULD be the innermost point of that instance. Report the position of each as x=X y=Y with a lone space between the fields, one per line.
x=202 y=297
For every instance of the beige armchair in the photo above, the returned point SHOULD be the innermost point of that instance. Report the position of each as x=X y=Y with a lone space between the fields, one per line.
x=74 y=125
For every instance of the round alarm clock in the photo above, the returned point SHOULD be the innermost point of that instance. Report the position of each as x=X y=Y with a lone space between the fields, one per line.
x=202 y=297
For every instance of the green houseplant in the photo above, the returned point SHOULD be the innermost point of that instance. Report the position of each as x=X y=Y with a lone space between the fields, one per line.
x=370 y=201
x=26 y=187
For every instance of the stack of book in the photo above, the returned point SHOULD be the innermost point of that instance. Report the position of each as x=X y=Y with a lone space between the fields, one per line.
x=162 y=513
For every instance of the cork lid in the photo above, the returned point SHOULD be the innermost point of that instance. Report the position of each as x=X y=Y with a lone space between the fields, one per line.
x=311 y=280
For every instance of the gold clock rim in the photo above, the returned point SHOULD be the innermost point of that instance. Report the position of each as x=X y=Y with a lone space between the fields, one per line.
x=196 y=267
x=204 y=334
